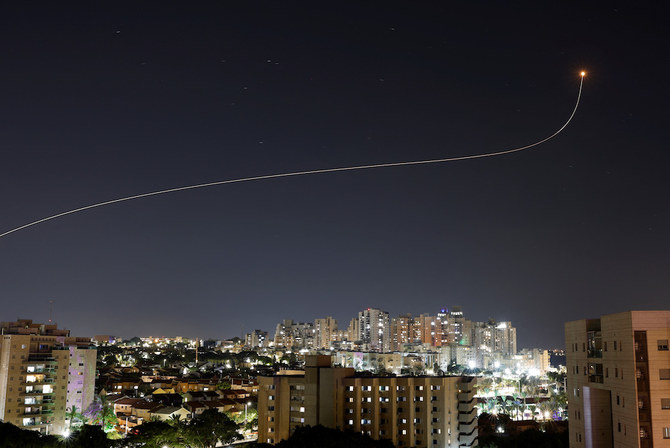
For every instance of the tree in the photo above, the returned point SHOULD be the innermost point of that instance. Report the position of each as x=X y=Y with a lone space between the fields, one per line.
x=101 y=413
x=89 y=436
x=73 y=414
x=14 y=437
x=209 y=428
x=156 y=434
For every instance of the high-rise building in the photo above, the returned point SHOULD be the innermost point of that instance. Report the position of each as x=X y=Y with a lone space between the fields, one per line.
x=294 y=334
x=410 y=411
x=453 y=323
x=401 y=331
x=495 y=337
x=256 y=339
x=325 y=332
x=618 y=380
x=374 y=332
x=43 y=373
x=353 y=330
x=428 y=330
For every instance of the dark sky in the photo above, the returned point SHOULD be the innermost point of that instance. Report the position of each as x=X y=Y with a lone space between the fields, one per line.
x=108 y=99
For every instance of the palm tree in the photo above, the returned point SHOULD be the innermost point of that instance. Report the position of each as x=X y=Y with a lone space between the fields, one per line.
x=71 y=414
x=101 y=412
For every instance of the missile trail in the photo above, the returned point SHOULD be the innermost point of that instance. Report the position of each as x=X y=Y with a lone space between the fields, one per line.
x=308 y=172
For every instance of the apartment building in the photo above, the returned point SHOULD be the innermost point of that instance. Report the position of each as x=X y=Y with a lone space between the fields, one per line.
x=619 y=380
x=401 y=331
x=325 y=330
x=294 y=334
x=43 y=372
x=409 y=411
x=256 y=339
x=374 y=330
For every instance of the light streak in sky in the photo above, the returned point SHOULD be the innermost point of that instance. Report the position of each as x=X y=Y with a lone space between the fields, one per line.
x=308 y=172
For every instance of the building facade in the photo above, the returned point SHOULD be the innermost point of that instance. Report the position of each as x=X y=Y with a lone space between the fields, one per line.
x=256 y=339
x=374 y=330
x=291 y=334
x=619 y=380
x=326 y=332
x=43 y=372
x=409 y=411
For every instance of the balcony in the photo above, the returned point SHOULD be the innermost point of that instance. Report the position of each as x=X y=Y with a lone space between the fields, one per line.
x=45 y=371
x=39 y=381
x=33 y=393
x=594 y=353
x=596 y=379
x=466 y=408
x=594 y=344
x=467 y=427
x=33 y=424
x=465 y=417
x=40 y=358
x=466 y=396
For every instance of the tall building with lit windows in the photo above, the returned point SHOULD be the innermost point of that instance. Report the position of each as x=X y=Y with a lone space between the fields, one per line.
x=427 y=411
x=428 y=330
x=325 y=330
x=374 y=330
x=43 y=372
x=401 y=331
x=618 y=380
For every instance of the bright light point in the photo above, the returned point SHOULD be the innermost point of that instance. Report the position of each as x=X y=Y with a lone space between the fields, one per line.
x=66 y=434
x=582 y=74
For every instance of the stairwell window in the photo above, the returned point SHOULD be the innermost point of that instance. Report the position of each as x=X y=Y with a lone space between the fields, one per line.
x=663 y=345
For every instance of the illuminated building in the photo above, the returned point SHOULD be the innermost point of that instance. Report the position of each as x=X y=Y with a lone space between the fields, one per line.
x=401 y=331
x=618 y=381
x=374 y=332
x=291 y=334
x=325 y=332
x=428 y=330
x=495 y=337
x=43 y=372
x=256 y=339
x=409 y=411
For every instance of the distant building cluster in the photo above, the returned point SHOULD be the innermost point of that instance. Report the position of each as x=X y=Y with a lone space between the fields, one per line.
x=373 y=341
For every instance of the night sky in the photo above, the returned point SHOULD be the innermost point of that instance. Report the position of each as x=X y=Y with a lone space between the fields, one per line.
x=106 y=99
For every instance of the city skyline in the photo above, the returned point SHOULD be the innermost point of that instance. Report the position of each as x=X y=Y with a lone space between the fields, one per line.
x=106 y=101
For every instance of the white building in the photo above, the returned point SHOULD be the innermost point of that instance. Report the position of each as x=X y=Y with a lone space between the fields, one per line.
x=374 y=331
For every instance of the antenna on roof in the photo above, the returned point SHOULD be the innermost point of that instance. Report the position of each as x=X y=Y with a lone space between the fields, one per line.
x=51 y=311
